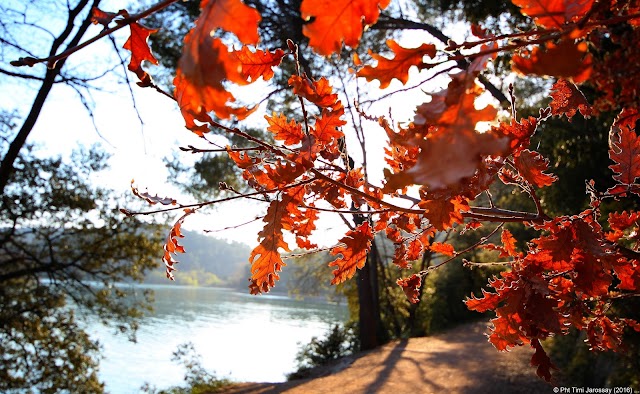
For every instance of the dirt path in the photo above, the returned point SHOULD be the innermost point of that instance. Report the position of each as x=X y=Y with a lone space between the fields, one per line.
x=457 y=361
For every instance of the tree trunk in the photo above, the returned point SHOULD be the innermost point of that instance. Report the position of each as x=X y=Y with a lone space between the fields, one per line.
x=370 y=325
x=6 y=167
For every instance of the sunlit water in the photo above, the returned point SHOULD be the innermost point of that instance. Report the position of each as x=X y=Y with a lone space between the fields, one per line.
x=239 y=336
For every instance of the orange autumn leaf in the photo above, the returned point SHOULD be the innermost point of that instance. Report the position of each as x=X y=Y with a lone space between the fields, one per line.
x=446 y=159
x=625 y=152
x=445 y=249
x=531 y=165
x=568 y=99
x=327 y=127
x=139 y=47
x=541 y=361
x=488 y=301
x=411 y=287
x=241 y=158
x=509 y=243
x=553 y=13
x=206 y=63
x=233 y=16
x=259 y=63
x=444 y=213
x=333 y=22
x=288 y=132
x=204 y=66
x=452 y=150
x=563 y=60
x=265 y=258
x=397 y=67
x=172 y=246
x=104 y=18
x=318 y=92
x=353 y=253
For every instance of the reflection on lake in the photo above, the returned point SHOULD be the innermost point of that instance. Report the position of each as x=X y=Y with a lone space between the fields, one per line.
x=239 y=336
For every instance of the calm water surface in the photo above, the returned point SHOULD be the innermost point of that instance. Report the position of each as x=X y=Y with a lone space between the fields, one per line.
x=239 y=336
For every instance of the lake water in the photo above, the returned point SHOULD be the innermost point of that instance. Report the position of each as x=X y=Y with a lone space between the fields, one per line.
x=239 y=336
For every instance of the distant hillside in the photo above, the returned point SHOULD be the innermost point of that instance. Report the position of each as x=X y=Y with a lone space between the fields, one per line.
x=208 y=261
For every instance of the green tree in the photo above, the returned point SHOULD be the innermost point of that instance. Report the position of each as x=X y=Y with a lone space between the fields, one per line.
x=63 y=250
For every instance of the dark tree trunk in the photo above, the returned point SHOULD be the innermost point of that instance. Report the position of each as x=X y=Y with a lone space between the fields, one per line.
x=370 y=325
x=6 y=167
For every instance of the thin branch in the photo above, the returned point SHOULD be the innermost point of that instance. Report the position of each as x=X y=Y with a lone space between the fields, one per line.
x=53 y=59
x=458 y=253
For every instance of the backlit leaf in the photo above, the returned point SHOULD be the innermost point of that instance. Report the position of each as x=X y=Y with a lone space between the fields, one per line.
x=541 y=361
x=443 y=214
x=568 y=99
x=411 y=287
x=338 y=21
x=563 y=60
x=288 y=132
x=553 y=13
x=625 y=152
x=452 y=150
x=445 y=249
x=259 y=63
x=318 y=92
x=531 y=166
x=353 y=253
x=206 y=63
x=397 y=67
x=137 y=44
x=172 y=246
x=233 y=16
x=265 y=258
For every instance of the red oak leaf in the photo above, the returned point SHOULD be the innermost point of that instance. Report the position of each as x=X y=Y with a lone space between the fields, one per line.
x=172 y=246
x=326 y=129
x=415 y=248
x=442 y=214
x=519 y=133
x=411 y=287
x=400 y=257
x=288 y=132
x=625 y=152
x=265 y=258
x=354 y=253
x=531 y=166
x=445 y=249
x=509 y=243
x=627 y=118
x=604 y=334
x=233 y=16
x=541 y=361
x=338 y=21
x=206 y=63
x=592 y=274
x=397 y=67
x=624 y=220
x=137 y=44
x=553 y=13
x=318 y=92
x=568 y=99
x=104 y=18
x=259 y=63
x=488 y=302
x=452 y=150
x=564 y=60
